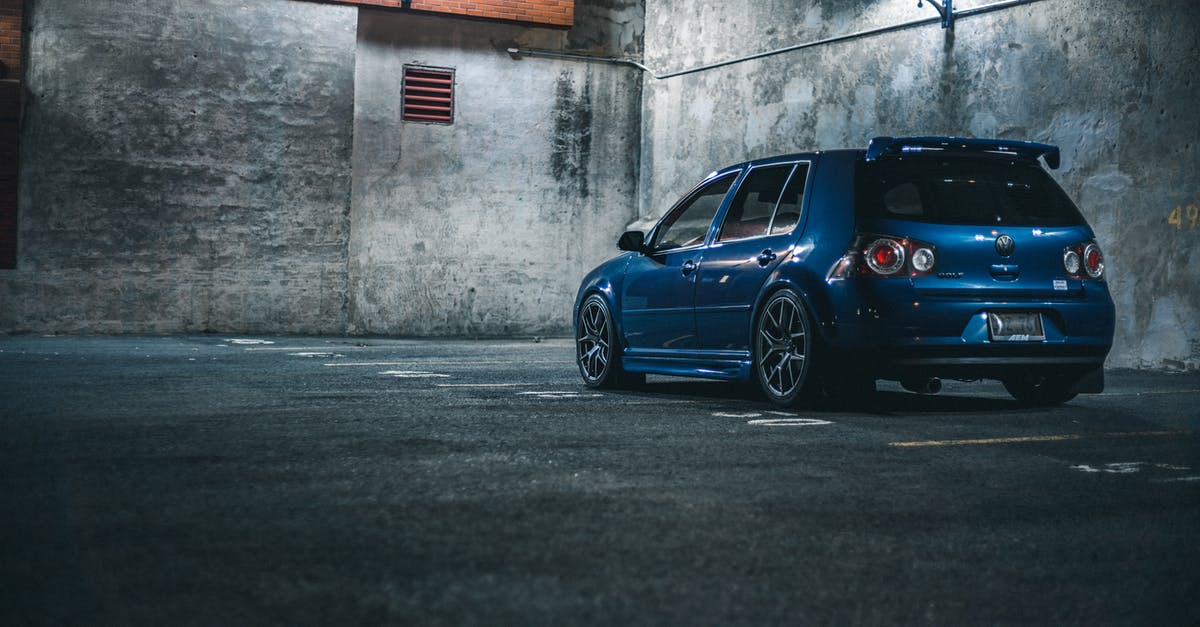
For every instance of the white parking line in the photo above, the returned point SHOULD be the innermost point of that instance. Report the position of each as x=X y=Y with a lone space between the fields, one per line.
x=485 y=385
x=723 y=414
x=1119 y=468
x=299 y=348
x=785 y=419
x=413 y=374
x=1126 y=468
x=558 y=395
x=371 y=364
x=788 y=422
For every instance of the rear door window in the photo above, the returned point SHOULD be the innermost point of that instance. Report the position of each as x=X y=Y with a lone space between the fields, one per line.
x=968 y=191
x=767 y=202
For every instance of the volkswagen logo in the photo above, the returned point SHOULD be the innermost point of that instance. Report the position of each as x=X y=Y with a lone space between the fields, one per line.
x=1005 y=245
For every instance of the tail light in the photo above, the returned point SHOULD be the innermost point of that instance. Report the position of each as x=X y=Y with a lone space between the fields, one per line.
x=884 y=256
x=1084 y=260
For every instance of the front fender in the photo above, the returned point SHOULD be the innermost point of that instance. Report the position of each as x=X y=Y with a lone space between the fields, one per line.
x=605 y=280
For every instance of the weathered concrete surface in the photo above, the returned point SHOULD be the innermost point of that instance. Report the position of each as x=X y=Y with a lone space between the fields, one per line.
x=185 y=166
x=189 y=166
x=204 y=164
x=1112 y=82
x=485 y=226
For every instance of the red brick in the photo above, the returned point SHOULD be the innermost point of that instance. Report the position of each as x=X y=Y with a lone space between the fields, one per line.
x=10 y=36
x=549 y=12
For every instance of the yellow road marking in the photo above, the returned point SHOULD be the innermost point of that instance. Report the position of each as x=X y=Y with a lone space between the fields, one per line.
x=1039 y=438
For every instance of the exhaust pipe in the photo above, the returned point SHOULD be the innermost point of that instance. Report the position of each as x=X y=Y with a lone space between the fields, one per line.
x=932 y=385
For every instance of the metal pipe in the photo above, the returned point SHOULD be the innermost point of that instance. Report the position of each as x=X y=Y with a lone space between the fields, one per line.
x=958 y=14
x=530 y=52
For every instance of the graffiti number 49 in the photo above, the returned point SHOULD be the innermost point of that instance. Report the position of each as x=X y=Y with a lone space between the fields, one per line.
x=1179 y=215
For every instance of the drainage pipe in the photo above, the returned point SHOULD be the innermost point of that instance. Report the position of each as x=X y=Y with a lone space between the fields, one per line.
x=957 y=14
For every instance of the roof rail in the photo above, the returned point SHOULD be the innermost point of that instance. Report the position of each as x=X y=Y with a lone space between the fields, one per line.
x=881 y=146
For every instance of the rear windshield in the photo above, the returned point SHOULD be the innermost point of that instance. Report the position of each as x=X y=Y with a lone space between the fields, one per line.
x=964 y=190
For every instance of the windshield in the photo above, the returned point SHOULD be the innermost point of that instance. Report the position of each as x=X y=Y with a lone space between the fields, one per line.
x=963 y=190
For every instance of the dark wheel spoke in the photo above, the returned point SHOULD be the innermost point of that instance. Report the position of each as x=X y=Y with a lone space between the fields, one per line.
x=594 y=344
x=781 y=342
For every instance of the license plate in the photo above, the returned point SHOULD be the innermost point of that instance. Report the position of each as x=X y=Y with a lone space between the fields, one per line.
x=1016 y=326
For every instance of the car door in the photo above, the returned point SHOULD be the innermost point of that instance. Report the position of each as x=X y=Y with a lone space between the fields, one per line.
x=657 y=308
x=755 y=236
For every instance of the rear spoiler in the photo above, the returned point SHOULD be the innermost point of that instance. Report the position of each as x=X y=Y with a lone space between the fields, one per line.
x=881 y=146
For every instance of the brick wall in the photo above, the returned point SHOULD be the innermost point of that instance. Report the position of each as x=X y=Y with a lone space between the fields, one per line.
x=549 y=12
x=10 y=36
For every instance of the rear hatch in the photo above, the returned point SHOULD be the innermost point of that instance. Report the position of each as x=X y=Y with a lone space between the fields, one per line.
x=998 y=227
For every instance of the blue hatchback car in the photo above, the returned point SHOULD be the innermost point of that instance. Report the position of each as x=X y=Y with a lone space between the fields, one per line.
x=918 y=259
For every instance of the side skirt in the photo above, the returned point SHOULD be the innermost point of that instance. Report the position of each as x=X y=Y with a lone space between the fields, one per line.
x=723 y=365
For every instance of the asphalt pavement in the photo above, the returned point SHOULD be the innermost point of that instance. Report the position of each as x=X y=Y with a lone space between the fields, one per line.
x=247 y=480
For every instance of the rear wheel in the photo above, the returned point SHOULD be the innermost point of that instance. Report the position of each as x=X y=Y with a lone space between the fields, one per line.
x=596 y=350
x=1041 y=390
x=783 y=348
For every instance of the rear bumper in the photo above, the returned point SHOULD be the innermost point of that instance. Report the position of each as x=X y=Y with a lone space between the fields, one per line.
x=990 y=361
x=915 y=337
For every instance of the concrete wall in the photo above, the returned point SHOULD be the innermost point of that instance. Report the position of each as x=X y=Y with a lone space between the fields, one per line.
x=239 y=166
x=185 y=166
x=188 y=165
x=1111 y=81
x=485 y=226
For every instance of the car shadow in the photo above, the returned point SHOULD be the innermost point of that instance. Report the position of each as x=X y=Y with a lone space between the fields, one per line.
x=882 y=402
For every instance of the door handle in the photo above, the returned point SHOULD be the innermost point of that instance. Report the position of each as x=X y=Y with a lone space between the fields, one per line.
x=765 y=257
x=688 y=267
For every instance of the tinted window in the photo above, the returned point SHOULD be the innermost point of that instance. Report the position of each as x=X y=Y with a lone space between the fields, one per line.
x=764 y=205
x=981 y=192
x=787 y=214
x=688 y=223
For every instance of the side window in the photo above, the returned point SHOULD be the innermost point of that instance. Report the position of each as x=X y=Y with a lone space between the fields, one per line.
x=688 y=223
x=768 y=202
x=787 y=214
x=752 y=208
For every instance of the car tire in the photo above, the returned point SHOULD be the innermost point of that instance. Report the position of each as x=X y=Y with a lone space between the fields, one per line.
x=596 y=350
x=1041 y=390
x=783 y=348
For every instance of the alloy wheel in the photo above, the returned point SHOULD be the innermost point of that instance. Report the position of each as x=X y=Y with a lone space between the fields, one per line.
x=593 y=341
x=783 y=347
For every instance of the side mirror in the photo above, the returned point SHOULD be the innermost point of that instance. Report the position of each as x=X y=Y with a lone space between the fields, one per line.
x=633 y=241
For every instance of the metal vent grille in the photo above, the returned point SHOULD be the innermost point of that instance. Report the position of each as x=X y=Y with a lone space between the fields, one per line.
x=428 y=95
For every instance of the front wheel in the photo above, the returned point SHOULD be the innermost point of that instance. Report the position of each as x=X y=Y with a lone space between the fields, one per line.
x=783 y=349
x=1041 y=391
x=596 y=350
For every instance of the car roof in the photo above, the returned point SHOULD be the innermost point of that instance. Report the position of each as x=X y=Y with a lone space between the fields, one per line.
x=787 y=158
x=925 y=145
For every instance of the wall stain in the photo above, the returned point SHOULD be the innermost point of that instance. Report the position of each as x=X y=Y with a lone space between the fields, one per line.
x=572 y=140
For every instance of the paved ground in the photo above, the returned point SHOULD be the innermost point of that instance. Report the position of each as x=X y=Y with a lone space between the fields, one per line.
x=219 y=480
